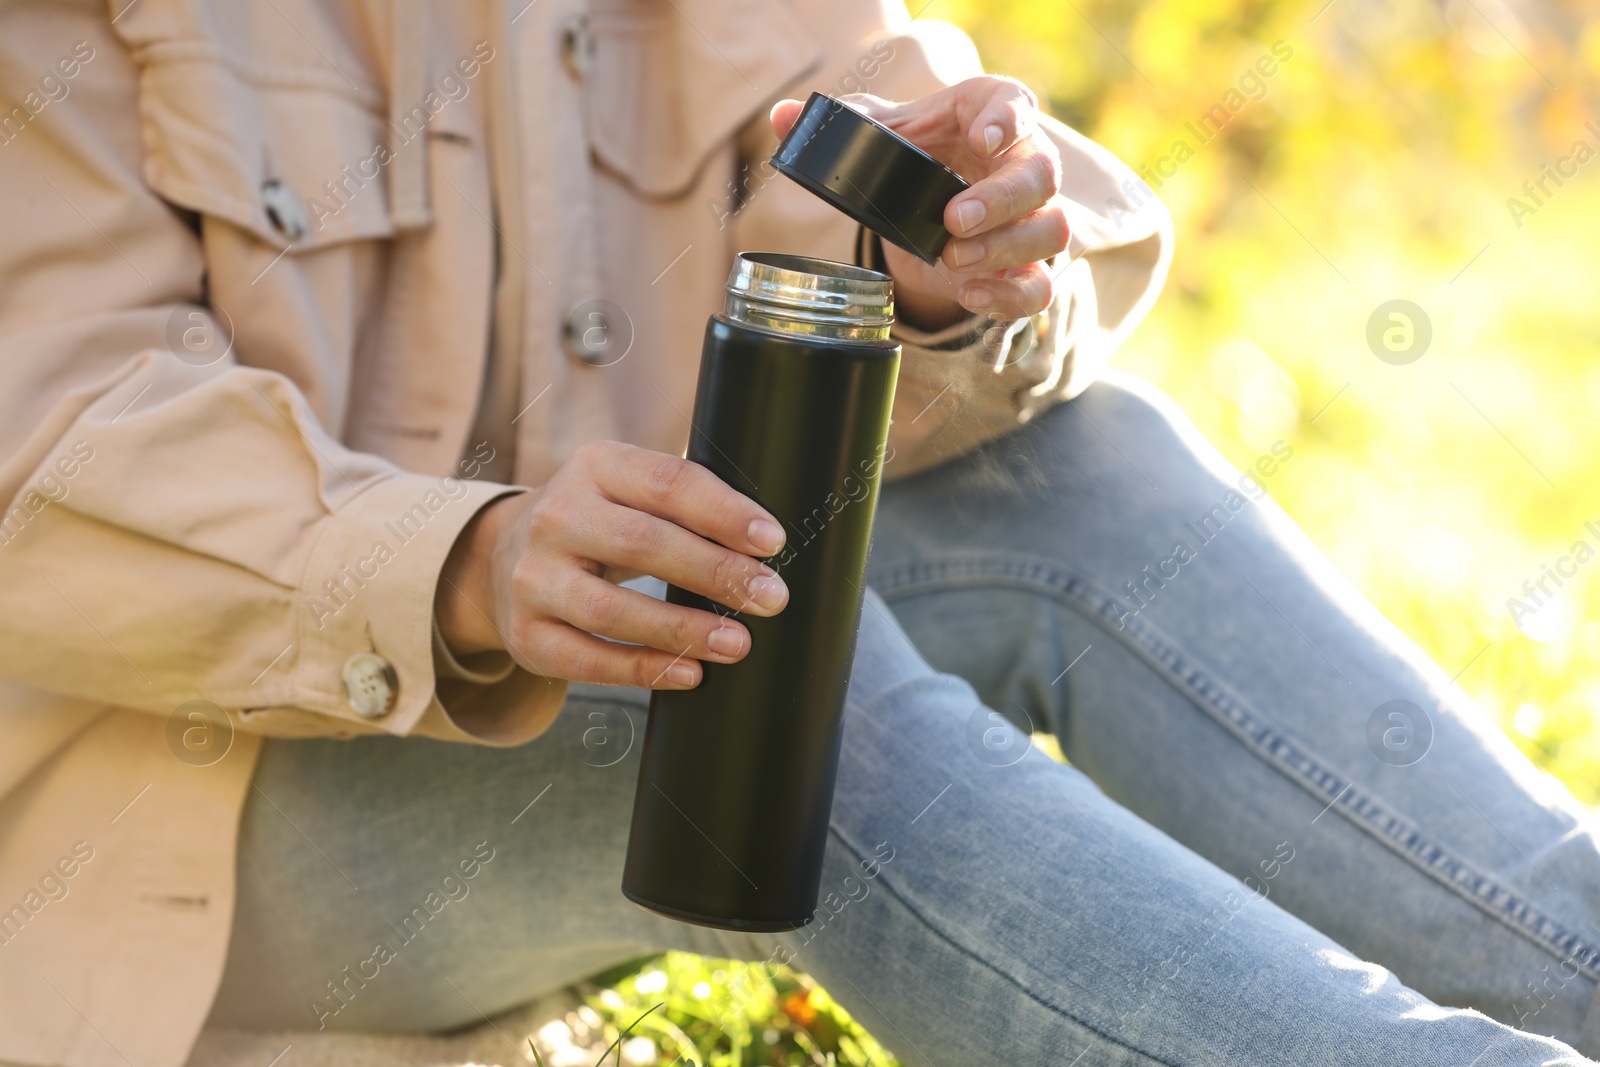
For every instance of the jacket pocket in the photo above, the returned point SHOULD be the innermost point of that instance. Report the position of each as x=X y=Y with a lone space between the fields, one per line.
x=285 y=155
x=667 y=84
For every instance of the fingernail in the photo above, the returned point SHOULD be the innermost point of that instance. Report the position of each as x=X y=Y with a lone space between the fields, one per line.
x=991 y=138
x=769 y=593
x=977 y=298
x=766 y=535
x=681 y=675
x=966 y=253
x=970 y=214
x=726 y=641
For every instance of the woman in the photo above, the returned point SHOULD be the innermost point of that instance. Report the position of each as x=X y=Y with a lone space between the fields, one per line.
x=296 y=298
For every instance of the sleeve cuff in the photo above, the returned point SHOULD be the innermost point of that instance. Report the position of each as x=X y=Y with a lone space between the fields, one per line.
x=366 y=636
x=966 y=385
x=483 y=668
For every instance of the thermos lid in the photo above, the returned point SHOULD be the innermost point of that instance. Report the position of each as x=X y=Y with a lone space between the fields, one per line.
x=871 y=173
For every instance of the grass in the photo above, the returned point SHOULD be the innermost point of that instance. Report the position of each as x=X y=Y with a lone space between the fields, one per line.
x=680 y=1008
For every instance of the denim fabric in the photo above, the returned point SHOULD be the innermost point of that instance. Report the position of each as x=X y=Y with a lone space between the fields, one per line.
x=1250 y=860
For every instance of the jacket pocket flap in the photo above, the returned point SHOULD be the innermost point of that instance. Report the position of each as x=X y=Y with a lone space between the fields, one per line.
x=296 y=164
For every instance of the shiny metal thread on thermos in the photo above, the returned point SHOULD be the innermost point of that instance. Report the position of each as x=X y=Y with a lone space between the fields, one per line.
x=811 y=297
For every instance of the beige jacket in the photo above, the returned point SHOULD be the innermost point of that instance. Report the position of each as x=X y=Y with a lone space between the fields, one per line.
x=288 y=290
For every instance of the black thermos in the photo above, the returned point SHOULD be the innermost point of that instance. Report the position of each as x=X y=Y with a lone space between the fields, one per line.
x=731 y=813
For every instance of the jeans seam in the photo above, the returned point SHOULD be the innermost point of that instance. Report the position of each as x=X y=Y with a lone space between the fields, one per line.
x=1269 y=742
x=942 y=935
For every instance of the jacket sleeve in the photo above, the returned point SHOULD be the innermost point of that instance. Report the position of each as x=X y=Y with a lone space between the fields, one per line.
x=978 y=379
x=174 y=532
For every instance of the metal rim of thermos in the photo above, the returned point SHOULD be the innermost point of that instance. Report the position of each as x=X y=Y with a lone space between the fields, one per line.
x=814 y=297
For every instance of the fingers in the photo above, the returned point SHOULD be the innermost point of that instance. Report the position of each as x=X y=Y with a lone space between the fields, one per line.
x=1018 y=293
x=596 y=606
x=684 y=493
x=1024 y=182
x=560 y=651
x=637 y=541
x=1008 y=113
x=1034 y=237
x=616 y=509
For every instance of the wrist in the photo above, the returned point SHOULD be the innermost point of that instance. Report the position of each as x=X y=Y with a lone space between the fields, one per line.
x=928 y=312
x=463 y=602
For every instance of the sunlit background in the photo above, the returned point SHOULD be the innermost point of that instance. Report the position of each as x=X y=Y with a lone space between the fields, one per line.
x=1377 y=163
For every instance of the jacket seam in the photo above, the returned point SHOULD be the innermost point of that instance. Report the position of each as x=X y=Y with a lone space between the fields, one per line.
x=1269 y=742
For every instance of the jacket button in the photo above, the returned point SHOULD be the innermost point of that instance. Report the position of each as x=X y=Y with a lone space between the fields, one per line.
x=577 y=46
x=587 y=334
x=284 y=209
x=597 y=333
x=370 y=684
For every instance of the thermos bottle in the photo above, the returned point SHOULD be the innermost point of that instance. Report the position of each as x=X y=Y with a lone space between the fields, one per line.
x=796 y=380
x=731 y=813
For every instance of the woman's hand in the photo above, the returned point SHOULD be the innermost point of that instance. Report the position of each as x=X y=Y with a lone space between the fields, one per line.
x=528 y=574
x=1005 y=227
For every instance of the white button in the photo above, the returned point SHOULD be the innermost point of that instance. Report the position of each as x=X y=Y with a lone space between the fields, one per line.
x=577 y=46
x=284 y=209
x=370 y=684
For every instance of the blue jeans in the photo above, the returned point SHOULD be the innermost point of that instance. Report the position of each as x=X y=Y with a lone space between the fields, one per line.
x=1285 y=836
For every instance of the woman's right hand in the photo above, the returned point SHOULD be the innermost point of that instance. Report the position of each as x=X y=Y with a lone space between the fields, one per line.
x=528 y=573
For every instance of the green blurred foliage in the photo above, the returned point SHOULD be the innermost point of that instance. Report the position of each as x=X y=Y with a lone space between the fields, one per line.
x=728 y=1013
x=1377 y=164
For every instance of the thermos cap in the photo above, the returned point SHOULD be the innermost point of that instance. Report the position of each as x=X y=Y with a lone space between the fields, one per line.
x=871 y=173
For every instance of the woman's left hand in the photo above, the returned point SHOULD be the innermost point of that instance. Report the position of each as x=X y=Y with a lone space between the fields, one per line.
x=1004 y=228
